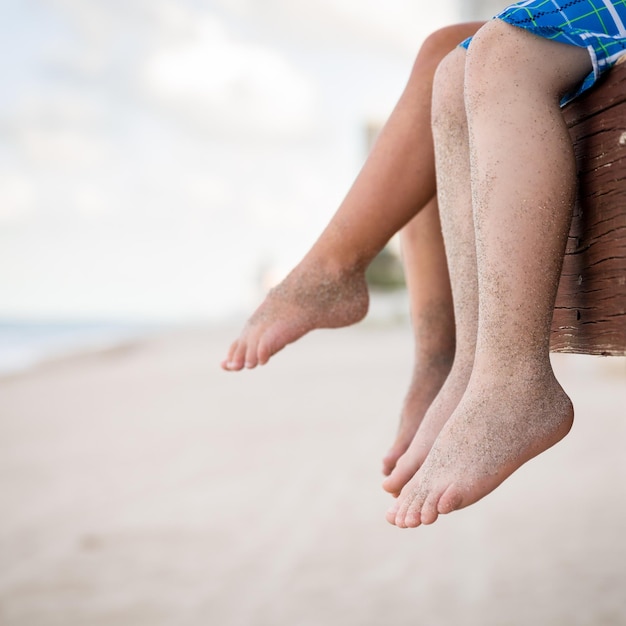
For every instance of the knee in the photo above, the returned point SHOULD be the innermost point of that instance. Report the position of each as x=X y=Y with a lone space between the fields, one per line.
x=448 y=108
x=503 y=58
x=441 y=42
x=435 y=48
x=495 y=52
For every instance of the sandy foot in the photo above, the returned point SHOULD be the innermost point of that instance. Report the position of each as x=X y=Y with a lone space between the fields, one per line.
x=429 y=375
x=310 y=297
x=497 y=427
x=437 y=415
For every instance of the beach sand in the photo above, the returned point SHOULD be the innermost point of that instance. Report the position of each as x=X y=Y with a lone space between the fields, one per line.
x=144 y=486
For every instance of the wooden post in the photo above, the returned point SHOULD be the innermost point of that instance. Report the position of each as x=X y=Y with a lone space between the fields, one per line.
x=590 y=311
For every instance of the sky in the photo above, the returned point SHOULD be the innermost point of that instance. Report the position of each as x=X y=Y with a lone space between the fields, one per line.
x=158 y=157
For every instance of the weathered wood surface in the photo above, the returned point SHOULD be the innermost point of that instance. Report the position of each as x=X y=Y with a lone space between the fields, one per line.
x=590 y=311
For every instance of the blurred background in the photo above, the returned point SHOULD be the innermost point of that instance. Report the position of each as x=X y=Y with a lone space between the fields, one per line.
x=162 y=162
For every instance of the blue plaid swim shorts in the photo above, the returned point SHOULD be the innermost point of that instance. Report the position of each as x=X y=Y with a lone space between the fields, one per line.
x=597 y=25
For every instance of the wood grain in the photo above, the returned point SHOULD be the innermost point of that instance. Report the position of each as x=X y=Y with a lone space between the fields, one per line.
x=590 y=310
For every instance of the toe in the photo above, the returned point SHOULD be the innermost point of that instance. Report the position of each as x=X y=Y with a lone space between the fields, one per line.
x=402 y=506
x=389 y=463
x=401 y=474
x=251 y=358
x=264 y=352
x=450 y=500
x=392 y=513
x=413 y=517
x=400 y=521
x=391 y=458
x=393 y=483
x=412 y=511
x=235 y=359
x=410 y=503
x=429 y=512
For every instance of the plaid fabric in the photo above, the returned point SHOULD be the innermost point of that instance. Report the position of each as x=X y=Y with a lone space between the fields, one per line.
x=597 y=25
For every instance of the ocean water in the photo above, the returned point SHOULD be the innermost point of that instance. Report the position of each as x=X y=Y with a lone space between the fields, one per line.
x=24 y=344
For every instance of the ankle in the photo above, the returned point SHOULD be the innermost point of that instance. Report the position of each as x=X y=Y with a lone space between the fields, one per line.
x=434 y=333
x=514 y=364
x=334 y=264
x=433 y=360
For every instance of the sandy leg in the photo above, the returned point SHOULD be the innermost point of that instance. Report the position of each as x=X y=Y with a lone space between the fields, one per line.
x=523 y=183
x=395 y=183
x=428 y=378
x=458 y=231
x=432 y=318
x=434 y=420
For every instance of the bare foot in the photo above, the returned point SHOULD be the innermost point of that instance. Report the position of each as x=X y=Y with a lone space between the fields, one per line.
x=434 y=420
x=429 y=375
x=498 y=426
x=310 y=297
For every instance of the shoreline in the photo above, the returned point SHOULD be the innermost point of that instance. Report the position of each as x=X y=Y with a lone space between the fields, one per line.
x=30 y=344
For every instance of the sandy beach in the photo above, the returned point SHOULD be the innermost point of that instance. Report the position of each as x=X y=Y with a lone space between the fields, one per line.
x=143 y=486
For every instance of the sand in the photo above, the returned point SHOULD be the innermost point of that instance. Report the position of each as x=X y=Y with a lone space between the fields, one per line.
x=144 y=486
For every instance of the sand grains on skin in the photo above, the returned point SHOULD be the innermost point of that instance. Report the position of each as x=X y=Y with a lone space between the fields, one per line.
x=307 y=299
x=436 y=417
x=429 y=376
x=493 y=432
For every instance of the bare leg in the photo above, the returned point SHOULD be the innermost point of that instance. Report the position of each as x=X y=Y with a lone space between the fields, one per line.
x=327 y=288
x=456 y=206
x=523 y=184
x=432 y=318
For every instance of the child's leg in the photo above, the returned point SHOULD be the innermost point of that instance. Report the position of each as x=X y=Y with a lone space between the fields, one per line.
x=523 y=185
x=327 y=289
x=432 y=319
x=455 y=202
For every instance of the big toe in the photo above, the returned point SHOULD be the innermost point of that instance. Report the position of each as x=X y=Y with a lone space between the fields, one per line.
x=391 y=458
x=392 y=513
x=403 y=472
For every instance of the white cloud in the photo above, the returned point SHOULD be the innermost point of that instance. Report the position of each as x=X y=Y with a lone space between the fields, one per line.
x=232 y=84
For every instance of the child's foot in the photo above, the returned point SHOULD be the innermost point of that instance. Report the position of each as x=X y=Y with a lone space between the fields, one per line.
x=310 y=297
x=434 y=420
x=497 y=427
x=429 y=376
